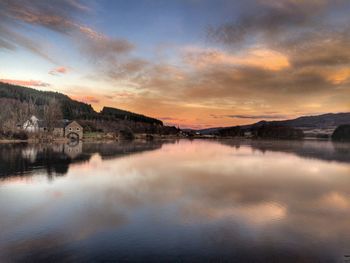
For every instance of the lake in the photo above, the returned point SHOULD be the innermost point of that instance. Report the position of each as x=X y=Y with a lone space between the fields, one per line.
x=181 y=200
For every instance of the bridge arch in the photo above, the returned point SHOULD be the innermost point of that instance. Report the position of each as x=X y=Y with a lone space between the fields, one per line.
x=73 y=136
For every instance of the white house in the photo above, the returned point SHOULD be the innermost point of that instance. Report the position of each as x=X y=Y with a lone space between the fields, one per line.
x=34 y=125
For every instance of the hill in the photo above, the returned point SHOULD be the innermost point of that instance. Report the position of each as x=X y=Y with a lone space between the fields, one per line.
x=322 y=124
x=127 y=115
x=71 y=109
x=323 y=121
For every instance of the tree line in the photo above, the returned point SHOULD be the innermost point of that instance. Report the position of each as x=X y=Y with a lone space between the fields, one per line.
x=70 y=109
x=20 y=103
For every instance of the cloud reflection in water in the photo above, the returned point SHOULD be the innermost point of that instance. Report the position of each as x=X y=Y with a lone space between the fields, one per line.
x=188 y=201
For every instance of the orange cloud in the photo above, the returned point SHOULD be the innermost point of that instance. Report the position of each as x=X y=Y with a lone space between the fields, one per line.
x=31 y=83
x=339 y=76
x=59 y=70
x=258 y=57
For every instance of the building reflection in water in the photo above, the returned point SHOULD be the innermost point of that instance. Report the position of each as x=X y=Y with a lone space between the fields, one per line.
x=55 y=159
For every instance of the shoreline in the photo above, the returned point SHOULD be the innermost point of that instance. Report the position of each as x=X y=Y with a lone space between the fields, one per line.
x=157 y=138
x=138 y=137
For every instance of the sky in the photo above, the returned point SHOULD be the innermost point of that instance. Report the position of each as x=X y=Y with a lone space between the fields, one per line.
x=190 y=63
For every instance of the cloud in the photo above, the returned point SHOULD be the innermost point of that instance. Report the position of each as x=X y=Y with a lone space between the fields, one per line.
x=127 y=68
x=61 y=17
x=323 y=50
x=255 y=57
x=58 y=16
x=235 y=81
x=102 y=47
x=10 y=40
x=270 y=18
x=309 y=33
x=272 y=116
x=16 y=14
x=6 y=45
x=58 y=71
x=31 y=83
x=258 y=116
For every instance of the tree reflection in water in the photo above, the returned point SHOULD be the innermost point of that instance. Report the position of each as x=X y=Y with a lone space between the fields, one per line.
x=55 y=159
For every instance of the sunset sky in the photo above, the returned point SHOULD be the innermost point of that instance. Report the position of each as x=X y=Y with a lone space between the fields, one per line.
x=193 y=63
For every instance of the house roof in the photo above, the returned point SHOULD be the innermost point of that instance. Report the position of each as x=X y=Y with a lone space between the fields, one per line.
x=74 y=123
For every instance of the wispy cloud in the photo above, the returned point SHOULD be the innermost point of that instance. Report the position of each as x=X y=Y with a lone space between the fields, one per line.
x=61 y=17
x=58 y=71
x=251 y=116
x=30 y=83
x=270 y=19
x=11 y=40
x=258 y=117
x=253 y=57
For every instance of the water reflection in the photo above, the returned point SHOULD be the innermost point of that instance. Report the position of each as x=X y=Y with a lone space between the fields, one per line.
x=323 y=150
x=187 y=201
x=54 y=159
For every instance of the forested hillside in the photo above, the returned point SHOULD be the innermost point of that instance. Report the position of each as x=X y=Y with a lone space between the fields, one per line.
x=70 y=108
x=32 y=101
x=324 y=121
x=122 y=114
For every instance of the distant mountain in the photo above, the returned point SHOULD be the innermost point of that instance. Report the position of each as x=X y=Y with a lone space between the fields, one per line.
x=210 y=130
x=324 y=121
x=71 y=109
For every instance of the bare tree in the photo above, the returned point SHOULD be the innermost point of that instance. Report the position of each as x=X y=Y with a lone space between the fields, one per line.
x=9 y=114
x=52 y=114
x=24 y=111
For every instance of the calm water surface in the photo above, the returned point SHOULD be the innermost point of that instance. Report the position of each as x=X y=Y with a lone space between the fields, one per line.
x=183 y=201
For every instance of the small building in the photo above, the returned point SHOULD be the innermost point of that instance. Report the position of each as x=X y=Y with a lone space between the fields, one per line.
x=33 y=124
x=64 y=128
x=73 y=131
